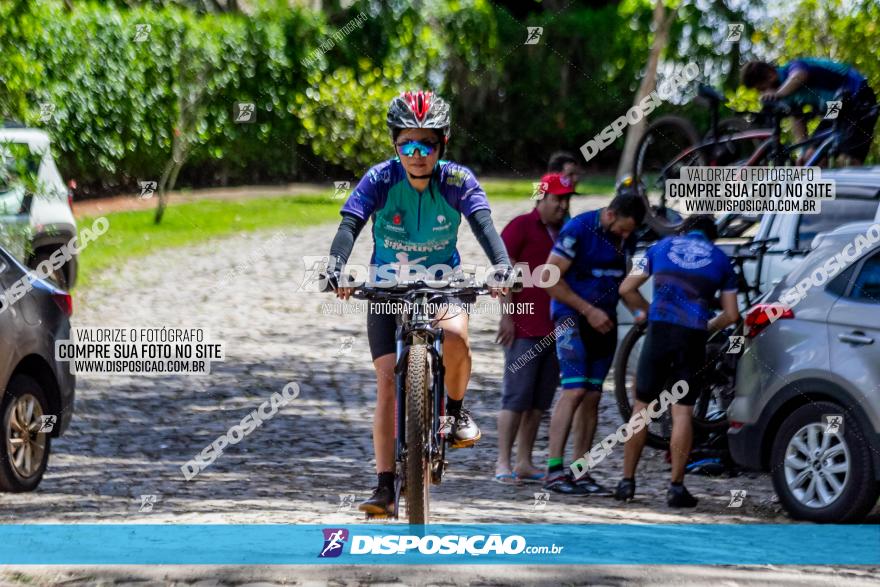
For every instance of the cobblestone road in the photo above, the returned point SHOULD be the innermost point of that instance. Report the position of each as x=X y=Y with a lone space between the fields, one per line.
x=131 y=434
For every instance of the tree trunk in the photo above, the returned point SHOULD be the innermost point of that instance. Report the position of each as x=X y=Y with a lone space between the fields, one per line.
x=180 y=151
x=661 y=24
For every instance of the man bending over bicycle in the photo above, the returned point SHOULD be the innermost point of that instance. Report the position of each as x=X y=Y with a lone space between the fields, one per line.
x=591 y=253
x=416 y=201
x=688 y=270
x=815 y=82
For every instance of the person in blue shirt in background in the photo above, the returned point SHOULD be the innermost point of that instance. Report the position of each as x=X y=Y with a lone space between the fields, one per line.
x=688 y=270
x=591 y=254
x=813 y=83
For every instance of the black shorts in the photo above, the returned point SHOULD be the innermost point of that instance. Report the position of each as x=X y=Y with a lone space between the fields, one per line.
x=671 y=353
x=855 y=125
x=382 y=327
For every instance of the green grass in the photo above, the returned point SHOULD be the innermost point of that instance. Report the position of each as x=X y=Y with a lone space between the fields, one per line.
x=133 y=234
x=514 y=189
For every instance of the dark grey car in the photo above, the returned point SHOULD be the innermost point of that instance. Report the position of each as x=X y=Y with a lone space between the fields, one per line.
x=807 y=405
x=36 y=392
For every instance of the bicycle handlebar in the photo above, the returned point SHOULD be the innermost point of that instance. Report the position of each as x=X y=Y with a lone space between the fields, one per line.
x=406 y=289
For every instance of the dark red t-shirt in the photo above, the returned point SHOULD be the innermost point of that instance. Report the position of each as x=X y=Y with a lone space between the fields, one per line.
x=528 y=240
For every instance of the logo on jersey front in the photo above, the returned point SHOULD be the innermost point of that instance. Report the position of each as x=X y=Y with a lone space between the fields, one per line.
x=334 y=539
x=690 y=253
x=442 y=224
x=395 y=221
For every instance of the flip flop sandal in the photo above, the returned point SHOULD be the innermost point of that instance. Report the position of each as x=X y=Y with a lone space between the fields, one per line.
x=533 y=478
x=507 y=479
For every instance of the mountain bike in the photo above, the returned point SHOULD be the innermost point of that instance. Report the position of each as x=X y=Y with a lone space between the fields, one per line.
x=421 y=428
x=717 y=381
x=724 y=145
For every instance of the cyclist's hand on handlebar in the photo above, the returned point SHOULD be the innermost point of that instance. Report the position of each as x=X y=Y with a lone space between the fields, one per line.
x=769 y=97
x=332 y=284
x=599 y=320
x=499 y=282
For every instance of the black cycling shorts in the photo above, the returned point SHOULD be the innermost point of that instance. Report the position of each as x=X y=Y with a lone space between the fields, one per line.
x=669 y=354
x=855 y=125
x=382 y=327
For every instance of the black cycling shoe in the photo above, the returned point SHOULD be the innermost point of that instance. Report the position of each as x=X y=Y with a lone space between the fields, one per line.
x=626 y=490
x=465 y=432
x=381 y=503
x=592 y=487
x=679 y=497
x=562 y=483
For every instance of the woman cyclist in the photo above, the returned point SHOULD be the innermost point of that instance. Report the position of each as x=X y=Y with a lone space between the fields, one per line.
x=416 y=201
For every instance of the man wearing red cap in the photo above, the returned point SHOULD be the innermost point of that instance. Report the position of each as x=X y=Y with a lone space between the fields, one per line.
x=531 y=373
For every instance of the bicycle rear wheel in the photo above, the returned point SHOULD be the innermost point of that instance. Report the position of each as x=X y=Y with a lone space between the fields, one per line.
x=729 y=150
x=669 y=143
x=716 y=380
x=418 y=430
x=625 y=363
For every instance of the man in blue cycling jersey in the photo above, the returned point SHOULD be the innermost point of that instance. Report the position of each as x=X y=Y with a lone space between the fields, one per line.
x=416 y=201
x=591 y=253
x=688 y=270
x=813 y=83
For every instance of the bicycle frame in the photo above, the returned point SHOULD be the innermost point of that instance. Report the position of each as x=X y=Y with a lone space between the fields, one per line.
x=779 y=153
x=415 y=329
x=771 y=149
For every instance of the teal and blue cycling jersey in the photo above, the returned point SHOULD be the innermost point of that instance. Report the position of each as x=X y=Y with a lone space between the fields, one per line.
x=824 y=79
x=411 y=227
x=687 y=272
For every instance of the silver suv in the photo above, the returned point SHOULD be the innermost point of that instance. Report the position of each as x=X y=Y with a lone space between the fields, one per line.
x=35 y=220
x=807 y=405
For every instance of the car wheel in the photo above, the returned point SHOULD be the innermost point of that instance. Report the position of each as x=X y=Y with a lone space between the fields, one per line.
x=24 y=451
x=58 y=276
x=819 y=473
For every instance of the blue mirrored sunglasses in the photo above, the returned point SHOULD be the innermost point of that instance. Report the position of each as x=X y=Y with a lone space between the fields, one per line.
x=409 y=148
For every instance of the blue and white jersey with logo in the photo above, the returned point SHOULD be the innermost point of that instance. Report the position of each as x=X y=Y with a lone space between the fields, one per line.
x=598 y=263
x=688 y=270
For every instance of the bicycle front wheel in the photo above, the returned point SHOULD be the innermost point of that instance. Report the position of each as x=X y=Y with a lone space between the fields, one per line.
x=418 y=430
x=669 y=143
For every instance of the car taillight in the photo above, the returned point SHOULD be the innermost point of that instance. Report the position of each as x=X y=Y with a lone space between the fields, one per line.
x=763 y=315
x=64 y=301
x=735 y=425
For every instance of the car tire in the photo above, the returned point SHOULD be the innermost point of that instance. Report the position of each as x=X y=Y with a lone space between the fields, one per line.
x=805 y=459
x=21 y=472
x=58 y=276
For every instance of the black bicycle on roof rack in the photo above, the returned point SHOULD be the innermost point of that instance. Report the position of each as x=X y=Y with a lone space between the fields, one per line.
x=671 y=143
